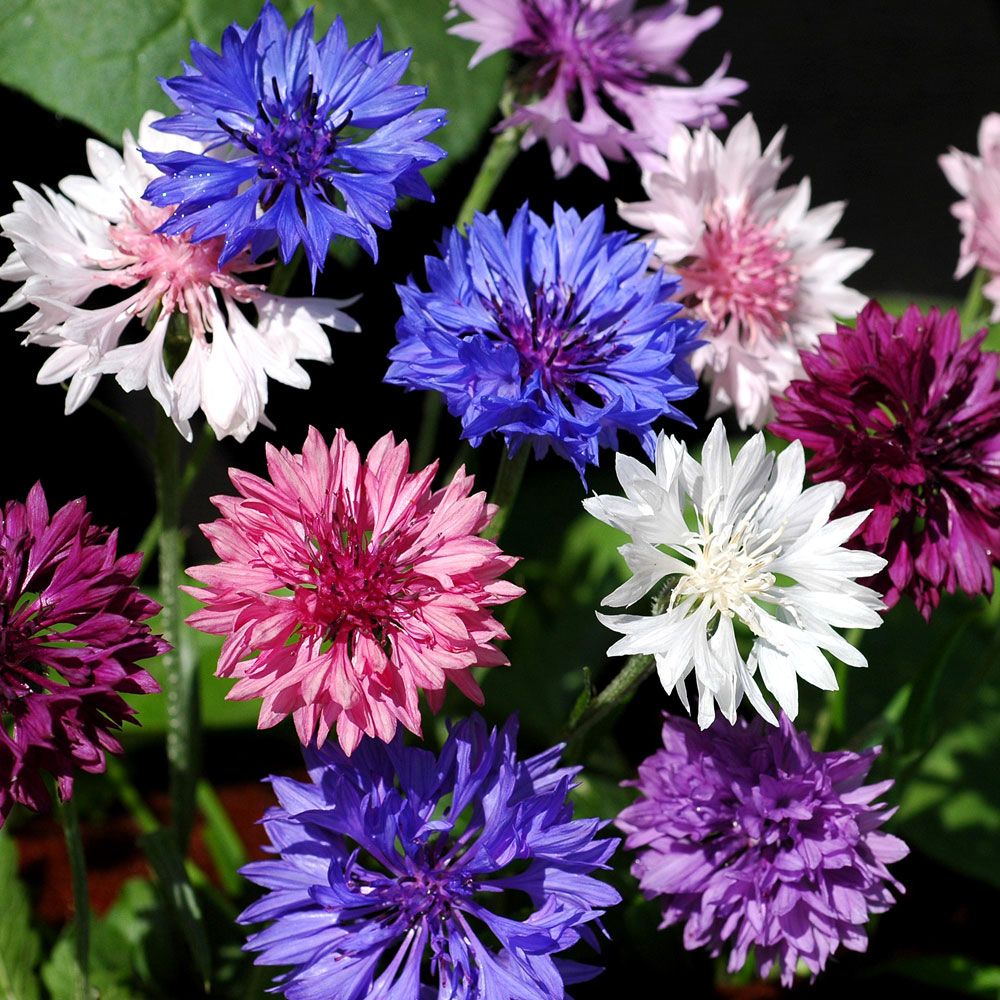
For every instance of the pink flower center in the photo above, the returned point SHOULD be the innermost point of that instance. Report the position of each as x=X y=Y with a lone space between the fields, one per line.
x=354 y=584
x=744 y=275
x=179 y=274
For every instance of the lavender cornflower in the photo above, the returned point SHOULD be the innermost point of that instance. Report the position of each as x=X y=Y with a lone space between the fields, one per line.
x=755 y=840
x=595 y=81
x=394 y=862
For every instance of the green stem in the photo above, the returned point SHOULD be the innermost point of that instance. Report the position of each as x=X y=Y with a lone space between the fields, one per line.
x=463 y=457
x=499 y=156
x=81 y=895
x=430 y=421
x=506 y=487
x=618 y=693
x=180 y=671
x=972 y=308
x=282 y=275
x=151 y=537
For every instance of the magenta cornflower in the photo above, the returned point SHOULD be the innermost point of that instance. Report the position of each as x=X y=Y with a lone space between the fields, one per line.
x=907 y=415
x=593 y=85
x=71 y=638
x=346 y=587
x=753 y=839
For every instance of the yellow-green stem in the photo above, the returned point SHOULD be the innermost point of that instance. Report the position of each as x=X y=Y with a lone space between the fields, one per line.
x=505 y=489
x=179 y=670
x=81 y=895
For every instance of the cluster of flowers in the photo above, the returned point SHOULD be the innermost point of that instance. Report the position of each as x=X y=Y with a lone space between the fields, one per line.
x=346 y=587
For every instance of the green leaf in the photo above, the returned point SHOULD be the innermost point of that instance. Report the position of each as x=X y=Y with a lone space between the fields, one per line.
x=166 y=861
x=221 y=839
x=951 y=807
x=950 y=972
x=97 y=63
x=19 y=948
x=61 y=976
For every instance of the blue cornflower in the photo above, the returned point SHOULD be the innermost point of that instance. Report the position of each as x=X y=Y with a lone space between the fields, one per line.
x=400 y=872
x=553 y=336
x=313 y=140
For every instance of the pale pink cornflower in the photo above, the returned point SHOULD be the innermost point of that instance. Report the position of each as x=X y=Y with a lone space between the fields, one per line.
x=601 y=79
x=344 y=588
x=755 y=261
x=99 y=234
x=977 y=179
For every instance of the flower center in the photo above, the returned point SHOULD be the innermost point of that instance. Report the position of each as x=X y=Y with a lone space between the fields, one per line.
x=554 y=342
x=743 y=274
x=729 y=565
x=580 y=40
x=180 y=275
x=294 y=141
x=354 y=586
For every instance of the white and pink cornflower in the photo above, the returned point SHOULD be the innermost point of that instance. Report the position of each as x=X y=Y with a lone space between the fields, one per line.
x=98 y=235
x=977 y=179
x=347 y=587
x=593 y=85
x=756 y=262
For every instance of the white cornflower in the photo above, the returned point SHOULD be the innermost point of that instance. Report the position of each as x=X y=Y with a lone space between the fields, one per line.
x=759 y=549
x=755 y=261
x=99 y=234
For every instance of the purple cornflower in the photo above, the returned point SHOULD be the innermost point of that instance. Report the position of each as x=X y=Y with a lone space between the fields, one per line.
x=592 y=85
x=395 y=866
x=907 y=415
x=755 y=840
x=552 y=336
x=71 y=636
x=318 y=140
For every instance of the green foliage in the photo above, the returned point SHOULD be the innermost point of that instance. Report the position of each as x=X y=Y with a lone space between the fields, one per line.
x=950 y=972
x=553 y=629
x=166 y=861
x=19 y=947
x=98 y=62
x=931 y=698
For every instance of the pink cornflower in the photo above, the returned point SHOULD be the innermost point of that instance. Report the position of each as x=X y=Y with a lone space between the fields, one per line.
x=346 y=587
x=98 y=235
x=755 y=261
x=977 y=179
x=591 y=88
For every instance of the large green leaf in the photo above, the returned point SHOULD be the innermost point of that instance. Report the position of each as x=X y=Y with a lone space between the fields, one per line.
x=18 y=941
x=97 y=61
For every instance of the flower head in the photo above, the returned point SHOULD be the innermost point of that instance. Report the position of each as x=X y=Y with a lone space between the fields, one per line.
x=755 y=840
x=552 y=336
x=346 y=587
x=977 y=179
x=591 y=87
x=907 y=415
x=762 y=551
x=320 y=140
x=71 y=638
x=393 y=863
x=100 y=236
x=754 y=260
